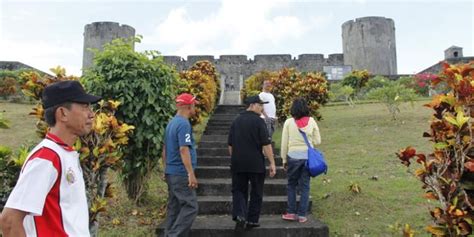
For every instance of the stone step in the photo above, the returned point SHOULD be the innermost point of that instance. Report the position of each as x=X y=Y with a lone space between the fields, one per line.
x=218 y=127
x=213 y=144
x=232 y=109
x=216 y=132
x=219 y=123
x=210 y=138
x=224 y=116
x=215 y=172
x=216 y=187
x=271 y=225
x=220 y=151
x=225 y=161
x=221 y=205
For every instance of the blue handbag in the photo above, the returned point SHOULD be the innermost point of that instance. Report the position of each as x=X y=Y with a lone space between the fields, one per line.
x=315 y=164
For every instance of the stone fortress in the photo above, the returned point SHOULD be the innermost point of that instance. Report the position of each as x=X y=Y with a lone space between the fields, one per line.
x=368 y=43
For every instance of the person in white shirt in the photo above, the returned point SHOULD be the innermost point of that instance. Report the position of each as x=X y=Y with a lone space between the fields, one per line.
x=49 y=198
x=269 y=110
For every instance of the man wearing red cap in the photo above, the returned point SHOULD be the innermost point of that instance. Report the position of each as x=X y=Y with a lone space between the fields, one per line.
x=49 y=198
x=179 y=160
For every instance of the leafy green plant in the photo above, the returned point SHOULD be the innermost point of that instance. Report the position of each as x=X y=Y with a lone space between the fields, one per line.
x=4 y=123
x=146 y=88
x=392 y=96
x=357 y=79
x=447 y=173
x=338 y=92
x=10 y=166
x=253 y=84
x=290 y=84
x=201 y=81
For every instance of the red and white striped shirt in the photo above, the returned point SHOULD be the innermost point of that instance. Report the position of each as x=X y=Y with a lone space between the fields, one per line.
x=51 y=189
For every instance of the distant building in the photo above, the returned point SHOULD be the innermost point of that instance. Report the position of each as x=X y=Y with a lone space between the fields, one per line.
x=14 y=65
x=452 y=55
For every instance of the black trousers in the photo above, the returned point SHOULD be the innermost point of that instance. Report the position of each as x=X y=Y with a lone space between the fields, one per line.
x=240 y=202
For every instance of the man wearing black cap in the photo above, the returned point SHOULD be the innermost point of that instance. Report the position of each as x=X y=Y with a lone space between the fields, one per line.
x=49 y=198
x=248 y=135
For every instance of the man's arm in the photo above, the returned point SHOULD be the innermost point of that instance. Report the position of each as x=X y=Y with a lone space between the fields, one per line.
x=268 y=151
x=11 y=222
x=186 y=158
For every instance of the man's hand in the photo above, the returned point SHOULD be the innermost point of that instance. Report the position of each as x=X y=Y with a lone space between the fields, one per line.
x=192 y=181
x=272 y=170
x=285 y=167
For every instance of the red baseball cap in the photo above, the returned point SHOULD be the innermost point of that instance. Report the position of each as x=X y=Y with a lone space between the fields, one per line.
x=186 y=99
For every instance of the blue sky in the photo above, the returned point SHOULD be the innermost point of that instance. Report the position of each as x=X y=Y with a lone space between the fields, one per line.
x=44 y=34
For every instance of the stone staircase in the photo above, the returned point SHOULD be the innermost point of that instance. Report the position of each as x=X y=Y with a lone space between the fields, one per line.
x=215 y=196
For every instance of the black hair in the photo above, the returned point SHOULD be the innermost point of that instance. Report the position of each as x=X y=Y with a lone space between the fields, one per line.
x=299 y=108
x=50 y=113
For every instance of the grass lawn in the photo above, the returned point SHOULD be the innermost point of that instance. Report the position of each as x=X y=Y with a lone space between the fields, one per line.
x=358 y=143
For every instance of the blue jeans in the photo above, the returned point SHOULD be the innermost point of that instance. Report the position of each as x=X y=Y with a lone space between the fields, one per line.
x=298 y=179
x=182 y=206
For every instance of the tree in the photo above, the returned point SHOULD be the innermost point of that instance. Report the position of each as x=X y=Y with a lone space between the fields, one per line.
x=392 y=95
x=146 y=88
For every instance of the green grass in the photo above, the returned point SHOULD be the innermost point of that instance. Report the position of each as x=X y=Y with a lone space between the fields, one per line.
x=22 y=126
x=358 y=143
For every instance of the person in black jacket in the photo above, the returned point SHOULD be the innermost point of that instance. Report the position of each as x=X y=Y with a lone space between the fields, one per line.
x=247 y=137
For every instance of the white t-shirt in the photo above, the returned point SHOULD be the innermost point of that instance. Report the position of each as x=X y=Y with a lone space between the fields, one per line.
x=270 y=108
x=51 y=189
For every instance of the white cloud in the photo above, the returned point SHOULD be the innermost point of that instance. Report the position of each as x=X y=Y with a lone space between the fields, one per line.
x=236 y=27
x=42 y=55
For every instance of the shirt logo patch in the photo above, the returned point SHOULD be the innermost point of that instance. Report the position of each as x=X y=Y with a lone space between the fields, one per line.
x=70 y=176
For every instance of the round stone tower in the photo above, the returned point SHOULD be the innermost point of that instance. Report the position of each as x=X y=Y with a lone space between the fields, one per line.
x=97 y=34
x=369 y=43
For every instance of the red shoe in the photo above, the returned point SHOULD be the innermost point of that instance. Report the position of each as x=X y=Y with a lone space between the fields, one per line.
x=289 y=217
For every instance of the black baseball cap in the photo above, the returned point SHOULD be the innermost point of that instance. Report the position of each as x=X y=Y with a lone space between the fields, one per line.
x=66 y=91
x=254 y=99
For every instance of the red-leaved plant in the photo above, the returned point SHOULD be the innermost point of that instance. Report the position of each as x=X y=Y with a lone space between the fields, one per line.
x=448 y=172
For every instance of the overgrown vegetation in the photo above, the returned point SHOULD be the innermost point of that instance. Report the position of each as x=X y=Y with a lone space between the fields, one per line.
x=447 y=173
x=201 y=80
x=146 y=88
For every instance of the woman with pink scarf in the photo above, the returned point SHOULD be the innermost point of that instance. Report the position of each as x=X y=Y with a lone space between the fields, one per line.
x=294 y=154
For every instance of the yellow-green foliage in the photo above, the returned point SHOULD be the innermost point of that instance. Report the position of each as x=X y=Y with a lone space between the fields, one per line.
x=201 y=81
x=253 y=84
x=291 y=84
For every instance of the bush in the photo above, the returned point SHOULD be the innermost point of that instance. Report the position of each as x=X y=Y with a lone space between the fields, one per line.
x=357 y=79
x=392 y=95
x=201 y=81
x=447 y=173
x=290 y=84
x=146 y=88
x=253 y=84
x=338 y=92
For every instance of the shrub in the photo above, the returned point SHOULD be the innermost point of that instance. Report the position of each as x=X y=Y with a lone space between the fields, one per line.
x=290 y=84
x=146 y=88
x=338 y=92
x=392 y=95
x=447 y=173
x=201 y=81
x=357 y=79
x=253 y=84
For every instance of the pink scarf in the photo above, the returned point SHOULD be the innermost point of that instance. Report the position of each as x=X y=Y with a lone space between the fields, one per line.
x=302 y=122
